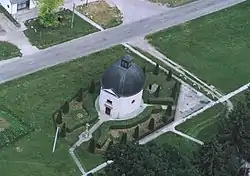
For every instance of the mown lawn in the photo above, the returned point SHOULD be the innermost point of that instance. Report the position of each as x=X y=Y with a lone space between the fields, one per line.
x=204 y=125
x=8 y=50
x=34 y=98
x=186 y=146
x=45 y=37
x=214 y=47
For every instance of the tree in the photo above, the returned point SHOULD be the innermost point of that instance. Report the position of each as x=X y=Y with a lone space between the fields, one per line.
x=136 y=132
x=156 y=69
x=59 y=117
x=92 y=146
x=92 y=87
x=157 y=91
x=65 y=107
x=79 y=96
x=174 y=90
x=124 y=138
x=150 y=159
x=111 y=143
x=169 y=110
x=47 y=12
x=63 y=131
x=169 y=76
x=212 y=159
x=151 y=124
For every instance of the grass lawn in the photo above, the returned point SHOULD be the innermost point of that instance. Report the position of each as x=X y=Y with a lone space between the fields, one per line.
x=46 y=37
x=172 y=3
x=102 y=13
x=87 y=159
x=186 y=146
x=204 y=125
x=8 y=50
x=214 y=47
x=34 y=98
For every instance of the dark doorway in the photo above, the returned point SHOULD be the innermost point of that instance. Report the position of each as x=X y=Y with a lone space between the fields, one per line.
x=107 y=111
x=23 y=5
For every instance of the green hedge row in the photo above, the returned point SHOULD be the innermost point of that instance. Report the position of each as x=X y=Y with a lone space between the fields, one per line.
x=161 y=101
x=123 y=124
x=9 y=16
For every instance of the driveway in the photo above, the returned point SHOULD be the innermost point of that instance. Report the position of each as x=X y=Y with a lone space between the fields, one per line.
x=134 y=10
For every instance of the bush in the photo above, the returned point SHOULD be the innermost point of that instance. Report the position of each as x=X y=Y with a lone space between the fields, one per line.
x=92 y=146
x=161 y=101
x=92 y=87
x=63 y=131
x=65 y=107
x=136 y=132
x=124 y=138
x=59 y=117
x=156 y=69
x=151 y=124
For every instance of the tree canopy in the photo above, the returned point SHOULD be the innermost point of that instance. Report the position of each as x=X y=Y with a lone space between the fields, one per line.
x=151 y=160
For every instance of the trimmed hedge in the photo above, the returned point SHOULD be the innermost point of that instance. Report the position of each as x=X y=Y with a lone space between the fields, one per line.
x=9 y=16
x=124 y=124
x=161 y=101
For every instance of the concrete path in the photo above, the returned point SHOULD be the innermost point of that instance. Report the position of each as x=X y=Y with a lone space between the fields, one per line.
x=188 y=137
x=105 y=39
x=15 y=36
x=171 y=126
x=134 y=10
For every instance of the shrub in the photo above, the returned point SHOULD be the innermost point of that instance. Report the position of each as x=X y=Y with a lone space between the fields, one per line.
x=151 y=124
x=169 y=76
x=124 y=138
x=92 y=146
x=59 y=117
x=65 y=107
x=79 y=96
x=136 y=132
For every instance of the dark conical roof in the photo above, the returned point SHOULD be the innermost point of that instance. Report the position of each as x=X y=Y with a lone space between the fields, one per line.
x=126 y=80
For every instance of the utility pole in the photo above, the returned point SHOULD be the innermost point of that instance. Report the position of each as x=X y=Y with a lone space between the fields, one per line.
x=73 y=15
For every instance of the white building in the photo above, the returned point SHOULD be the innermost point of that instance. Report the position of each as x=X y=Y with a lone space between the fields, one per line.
x=14 y=6
x=121 y=88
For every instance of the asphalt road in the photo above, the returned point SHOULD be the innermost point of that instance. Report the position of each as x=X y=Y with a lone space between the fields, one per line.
x=105 y=39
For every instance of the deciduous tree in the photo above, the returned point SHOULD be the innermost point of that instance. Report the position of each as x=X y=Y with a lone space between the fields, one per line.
x=65 y=107
x=92 y=87
x=156 y=69
x=136 y=132
x=47 y=12
x=59 y=117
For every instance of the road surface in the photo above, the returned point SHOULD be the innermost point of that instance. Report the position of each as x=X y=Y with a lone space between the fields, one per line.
x=105 y=39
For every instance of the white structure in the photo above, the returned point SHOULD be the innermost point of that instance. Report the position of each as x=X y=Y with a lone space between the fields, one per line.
x=121 y=88
x=14 y=6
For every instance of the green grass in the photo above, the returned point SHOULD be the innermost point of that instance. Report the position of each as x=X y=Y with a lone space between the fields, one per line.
x=8 y=50
x=204 y=125
x=34 y=98
x=46 y=37
x=172 y=3
x=87 y=159
x=214 y=47
x=186 y=146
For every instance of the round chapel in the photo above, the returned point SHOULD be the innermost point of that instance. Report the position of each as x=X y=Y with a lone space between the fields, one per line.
x=121 y=88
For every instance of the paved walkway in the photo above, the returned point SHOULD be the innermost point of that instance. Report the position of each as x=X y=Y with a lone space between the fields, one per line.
x=105 y=39
x=16 y=36
x=188 y=137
